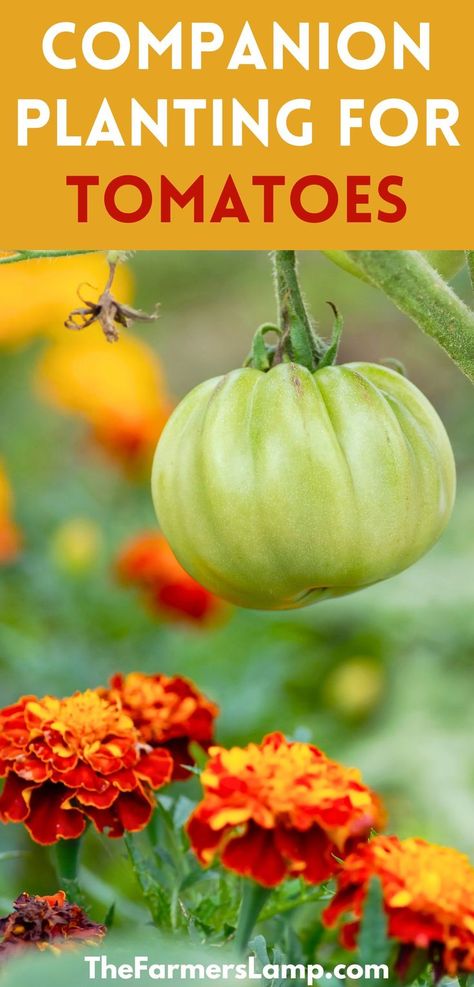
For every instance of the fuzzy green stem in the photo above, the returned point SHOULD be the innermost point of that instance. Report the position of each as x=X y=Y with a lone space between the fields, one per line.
x=292 y=314
x=66 y=862
x=22 y=255
x=253 y=899
x=419 y=291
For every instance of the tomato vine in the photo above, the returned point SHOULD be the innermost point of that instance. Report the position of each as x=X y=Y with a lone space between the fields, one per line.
x=405 y=276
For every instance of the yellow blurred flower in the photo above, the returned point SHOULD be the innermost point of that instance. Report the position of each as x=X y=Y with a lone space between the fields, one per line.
x=10 y=540
x=355 y=687
x=76 y=545
x=119 y=390
x=38 y=295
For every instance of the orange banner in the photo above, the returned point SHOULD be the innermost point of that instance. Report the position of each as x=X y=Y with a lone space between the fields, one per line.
x=244 y=127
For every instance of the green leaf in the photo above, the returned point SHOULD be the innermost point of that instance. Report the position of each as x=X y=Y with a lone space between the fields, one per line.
x=110 y=916
x=261 y=355
x=330 y=356
x=373 y=943
x=259 y=946
x=157 y=899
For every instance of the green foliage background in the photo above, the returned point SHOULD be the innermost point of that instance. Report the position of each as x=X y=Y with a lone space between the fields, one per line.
x=410 y=640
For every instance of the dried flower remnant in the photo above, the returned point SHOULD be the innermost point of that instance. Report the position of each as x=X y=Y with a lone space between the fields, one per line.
x=74 y=760
x=36 y=295
x=428 y=893
x=280 y=809
x=168 y=712
x=107 y=311
x=43 y=922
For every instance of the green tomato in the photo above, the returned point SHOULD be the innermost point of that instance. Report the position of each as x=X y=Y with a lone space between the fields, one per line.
x=279 y=489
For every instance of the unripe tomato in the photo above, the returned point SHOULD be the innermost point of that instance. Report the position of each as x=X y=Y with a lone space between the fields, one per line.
x=282 y=488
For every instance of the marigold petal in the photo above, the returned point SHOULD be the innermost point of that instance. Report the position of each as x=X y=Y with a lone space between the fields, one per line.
x=105 y=821
x=309 y=853
x=51 y=818
x=255 y=855
x=204 y=840
x=13 y=805
x=134 y=810
x=101 y=800
x=156 y=767
x=231 y=817
x=400 y=900
x=84 y=777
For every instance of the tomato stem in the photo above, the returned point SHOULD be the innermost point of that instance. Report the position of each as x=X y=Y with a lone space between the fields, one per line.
x=21 y=255
x=299 y=340
x=413 y=285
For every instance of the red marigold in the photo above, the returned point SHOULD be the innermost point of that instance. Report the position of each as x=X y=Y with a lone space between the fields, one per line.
x=167 y=712
x=69 y=760
x=42 y=921
x=148 y=562
x=280 y=808
x=428 y=893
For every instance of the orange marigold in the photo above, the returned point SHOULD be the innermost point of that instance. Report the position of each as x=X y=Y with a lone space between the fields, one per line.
x=119 y=391
x=428 y=893
x=66 y=761
x=148 y=562
x=42 y=921
x=280 y=808
x=9 y=534
x=167 y=712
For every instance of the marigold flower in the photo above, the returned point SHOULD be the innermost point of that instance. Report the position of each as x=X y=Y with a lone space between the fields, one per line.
x=167 y=712
x=280 y=808
x=67 y=761
x=118 y=390
x=428 y=893
x=46 y=921
x=9 y=535
x=148 y=562
x=36 y=295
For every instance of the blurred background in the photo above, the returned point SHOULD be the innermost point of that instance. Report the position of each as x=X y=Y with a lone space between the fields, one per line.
x=382 y=680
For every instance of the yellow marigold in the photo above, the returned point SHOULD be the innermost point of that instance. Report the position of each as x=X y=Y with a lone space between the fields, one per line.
x=280 y=808
x=70 y=760
x=9 y=534
x=118 y=390
x=37 y=295
x=46 y=921
x=428 y=894
x=168 y=712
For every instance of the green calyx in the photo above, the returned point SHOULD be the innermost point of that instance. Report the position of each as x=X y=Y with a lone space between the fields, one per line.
x=293 y=346
x=297 y=341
